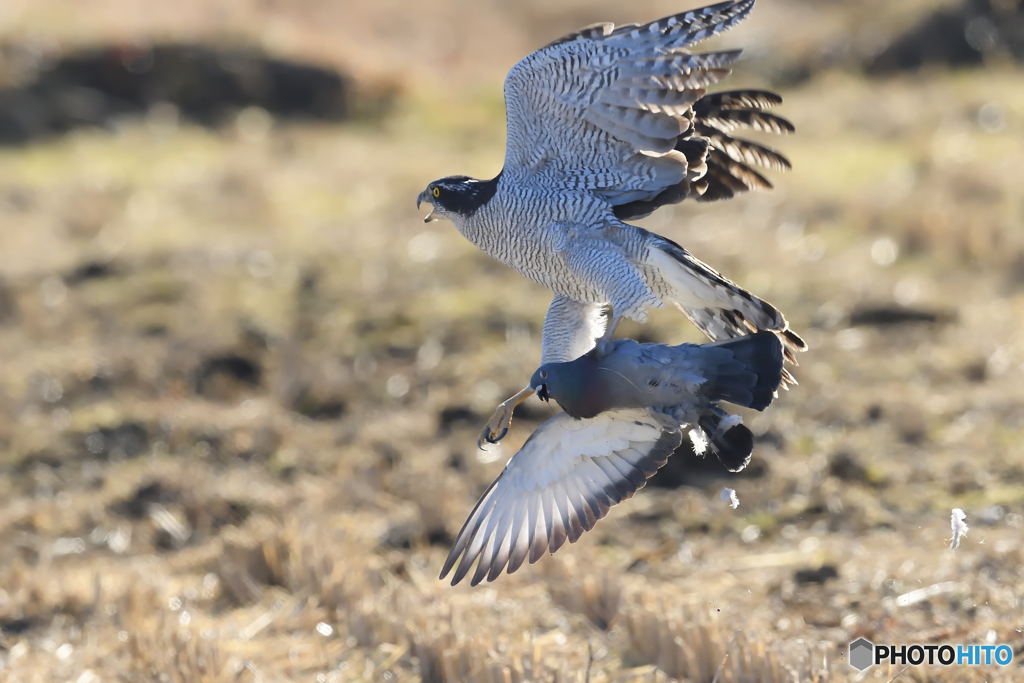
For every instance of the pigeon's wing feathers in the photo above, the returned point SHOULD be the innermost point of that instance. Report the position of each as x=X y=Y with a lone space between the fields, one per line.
x=566 y=477
x=745 y=371
x=753 y=373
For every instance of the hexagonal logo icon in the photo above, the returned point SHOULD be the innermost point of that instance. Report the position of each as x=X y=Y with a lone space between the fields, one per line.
x=862 y=654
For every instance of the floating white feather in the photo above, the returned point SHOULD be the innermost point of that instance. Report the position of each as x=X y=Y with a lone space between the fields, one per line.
x=959 y=527
x=728 y=495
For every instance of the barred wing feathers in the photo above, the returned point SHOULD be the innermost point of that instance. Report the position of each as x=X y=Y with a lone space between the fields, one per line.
x=571 y=328
x=728 y=159
x=565 y=478
x=623 y=112
x=591 y=109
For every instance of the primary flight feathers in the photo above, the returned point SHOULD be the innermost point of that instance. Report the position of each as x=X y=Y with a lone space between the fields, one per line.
x=564 y=478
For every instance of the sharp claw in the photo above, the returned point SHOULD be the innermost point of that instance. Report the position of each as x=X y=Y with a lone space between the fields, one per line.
x=488 y=437
x=502 y=419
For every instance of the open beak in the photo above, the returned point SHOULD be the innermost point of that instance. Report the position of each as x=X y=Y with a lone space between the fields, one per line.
x=542 y=392
x=425 y=196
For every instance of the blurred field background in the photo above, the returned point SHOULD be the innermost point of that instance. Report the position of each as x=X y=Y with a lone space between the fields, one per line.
x=241 y=381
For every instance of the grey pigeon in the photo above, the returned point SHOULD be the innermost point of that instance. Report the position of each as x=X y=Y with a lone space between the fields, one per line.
x=606 y=125
x=630 y=408
x=685 y=381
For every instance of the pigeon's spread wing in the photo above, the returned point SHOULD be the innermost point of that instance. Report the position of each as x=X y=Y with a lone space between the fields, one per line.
x=622 y=112
x=567 y=476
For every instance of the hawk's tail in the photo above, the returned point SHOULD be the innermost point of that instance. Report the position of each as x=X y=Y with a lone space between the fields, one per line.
x=719 y=308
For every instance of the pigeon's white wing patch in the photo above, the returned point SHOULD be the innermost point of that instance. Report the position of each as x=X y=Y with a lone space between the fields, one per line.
x=566 y=476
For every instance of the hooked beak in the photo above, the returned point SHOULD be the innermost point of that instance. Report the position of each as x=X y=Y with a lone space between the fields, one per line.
x=425 y=196
x=542 y=392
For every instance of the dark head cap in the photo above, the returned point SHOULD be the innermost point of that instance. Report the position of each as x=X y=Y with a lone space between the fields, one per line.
x=457 y=196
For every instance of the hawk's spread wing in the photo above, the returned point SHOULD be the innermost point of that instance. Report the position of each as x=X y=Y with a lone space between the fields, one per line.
x=619 y=111
x=566 y=476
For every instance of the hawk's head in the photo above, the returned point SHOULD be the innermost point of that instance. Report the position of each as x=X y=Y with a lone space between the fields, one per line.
x=456 y=196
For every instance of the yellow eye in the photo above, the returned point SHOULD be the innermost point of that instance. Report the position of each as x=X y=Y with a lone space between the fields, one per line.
x=437 y=192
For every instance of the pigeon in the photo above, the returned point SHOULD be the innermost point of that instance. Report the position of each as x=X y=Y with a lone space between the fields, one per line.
x=685 y=381
x=624 y=416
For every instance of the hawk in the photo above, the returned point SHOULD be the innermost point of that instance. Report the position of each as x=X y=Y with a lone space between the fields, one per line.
x=624 y=415
x=606 y=125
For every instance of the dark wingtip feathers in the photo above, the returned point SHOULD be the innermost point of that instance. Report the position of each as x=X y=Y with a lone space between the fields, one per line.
x=730 y=439
x=734 y=447
x=794 y=341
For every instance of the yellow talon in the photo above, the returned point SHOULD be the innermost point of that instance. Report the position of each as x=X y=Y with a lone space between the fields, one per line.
x=497 y=427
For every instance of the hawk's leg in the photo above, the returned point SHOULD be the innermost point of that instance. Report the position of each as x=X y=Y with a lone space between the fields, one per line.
x=604 y=344
x=497 y=426
x=620 y=282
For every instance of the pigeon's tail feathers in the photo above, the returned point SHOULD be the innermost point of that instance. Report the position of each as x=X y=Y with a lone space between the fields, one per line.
x=752 y=376
x=730 y=439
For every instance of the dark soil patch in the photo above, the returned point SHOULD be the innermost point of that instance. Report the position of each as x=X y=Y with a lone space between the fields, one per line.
x=199 y=83
x=958 y=36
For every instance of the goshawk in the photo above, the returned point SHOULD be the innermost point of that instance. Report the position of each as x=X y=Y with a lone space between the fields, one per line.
x=606 y=125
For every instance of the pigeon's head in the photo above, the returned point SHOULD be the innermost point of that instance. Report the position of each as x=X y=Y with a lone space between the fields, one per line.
x=539 y=382
x=456 y=197
x=568 y=383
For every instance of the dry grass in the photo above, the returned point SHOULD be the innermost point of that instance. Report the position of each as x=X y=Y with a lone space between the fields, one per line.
x=240 y=380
